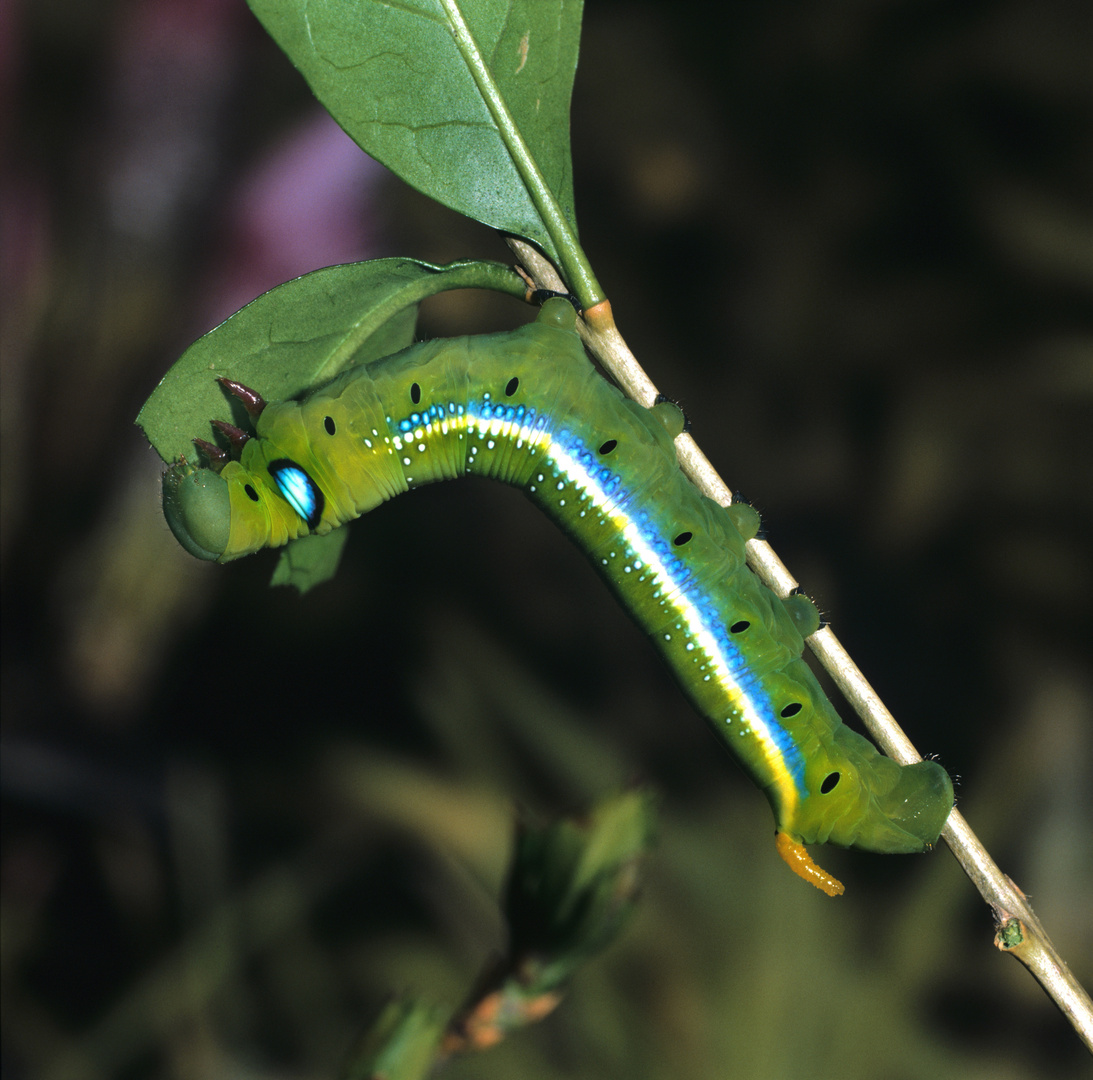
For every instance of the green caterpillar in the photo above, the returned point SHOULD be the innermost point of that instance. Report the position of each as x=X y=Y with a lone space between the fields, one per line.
x=527 y=407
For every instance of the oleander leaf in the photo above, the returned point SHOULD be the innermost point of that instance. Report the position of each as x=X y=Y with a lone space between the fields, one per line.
x=301 y=334
x=439 y=107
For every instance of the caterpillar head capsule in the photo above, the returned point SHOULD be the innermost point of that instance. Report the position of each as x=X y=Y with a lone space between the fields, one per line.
x=197 y=506
x=252 y=498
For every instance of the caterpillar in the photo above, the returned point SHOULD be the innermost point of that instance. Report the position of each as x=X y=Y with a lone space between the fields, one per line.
x=527 y=407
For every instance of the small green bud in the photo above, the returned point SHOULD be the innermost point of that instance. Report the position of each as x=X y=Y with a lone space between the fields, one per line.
x=574 y=884
x=401 y=1045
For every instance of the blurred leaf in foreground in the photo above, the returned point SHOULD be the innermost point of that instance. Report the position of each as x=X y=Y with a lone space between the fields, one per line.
x=571 y=889
x=401 y=1044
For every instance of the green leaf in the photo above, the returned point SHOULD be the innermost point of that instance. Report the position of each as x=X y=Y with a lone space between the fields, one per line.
x=402 y=1044
x=310 y=561
x=466 y=100
x=300 y=335
x=573 y=885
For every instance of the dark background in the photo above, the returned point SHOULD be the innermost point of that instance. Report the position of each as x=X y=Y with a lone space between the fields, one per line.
x=855 y=241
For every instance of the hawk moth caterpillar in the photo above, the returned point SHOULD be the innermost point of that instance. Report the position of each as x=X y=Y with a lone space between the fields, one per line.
x=527 y=407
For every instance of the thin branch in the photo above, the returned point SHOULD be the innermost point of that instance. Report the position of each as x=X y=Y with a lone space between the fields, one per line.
x=570 y=253
x=1019 y=930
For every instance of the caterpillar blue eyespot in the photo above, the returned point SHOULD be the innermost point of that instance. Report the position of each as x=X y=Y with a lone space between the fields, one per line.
x=675 y=559
x=299 y=490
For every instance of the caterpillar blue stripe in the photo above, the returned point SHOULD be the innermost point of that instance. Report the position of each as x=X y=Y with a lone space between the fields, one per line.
x=527 y=408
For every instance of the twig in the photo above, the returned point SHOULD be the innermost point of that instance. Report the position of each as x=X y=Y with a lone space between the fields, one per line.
x=1019 y=930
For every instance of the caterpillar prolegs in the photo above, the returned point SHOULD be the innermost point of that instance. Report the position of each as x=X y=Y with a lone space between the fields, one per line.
x=526 y=407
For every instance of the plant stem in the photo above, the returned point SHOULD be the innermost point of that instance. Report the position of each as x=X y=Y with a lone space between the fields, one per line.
x=582 y=282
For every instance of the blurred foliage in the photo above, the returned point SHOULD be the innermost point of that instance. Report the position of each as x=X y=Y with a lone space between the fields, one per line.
x=571 y=888
x=401 y=1045
x=854 y=240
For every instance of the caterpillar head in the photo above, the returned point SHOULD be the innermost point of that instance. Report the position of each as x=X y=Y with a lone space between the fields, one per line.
x=197 y=506
x=253 y=498
x=237 y=510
